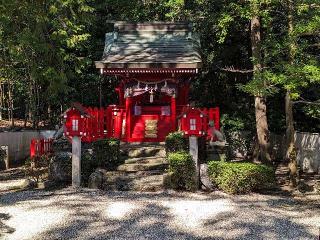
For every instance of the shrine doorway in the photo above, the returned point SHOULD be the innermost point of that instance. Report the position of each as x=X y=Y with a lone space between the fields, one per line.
x=151 y=118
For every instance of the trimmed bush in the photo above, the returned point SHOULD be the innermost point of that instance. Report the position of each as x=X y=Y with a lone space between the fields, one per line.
x=176 y=142
x=37 y=168
x=182 y=171
x=88 y=166
x=239 y=178
x=107 y=153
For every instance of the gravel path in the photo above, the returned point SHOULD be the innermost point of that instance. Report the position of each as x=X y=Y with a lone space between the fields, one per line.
x=88 y=214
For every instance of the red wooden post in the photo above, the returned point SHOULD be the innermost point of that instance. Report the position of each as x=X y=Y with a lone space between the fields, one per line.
x=109 y=121
x=101 y=118
x=51 y=143
x=217 y=118
x=33 y=148
x=122 y=123
x=41 y=147
x=118 y=124
x=173 y=113
x=128 y=117
x=90 y=124
x=205 y=119
x=95 y=126
x=105 y=124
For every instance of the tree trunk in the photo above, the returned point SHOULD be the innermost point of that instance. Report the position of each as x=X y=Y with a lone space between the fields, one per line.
x=260 y=101
x=26 y=115
x=289 y=123
x=262 y=129
x=1 y=101
x=10 y=103
x=291 y=154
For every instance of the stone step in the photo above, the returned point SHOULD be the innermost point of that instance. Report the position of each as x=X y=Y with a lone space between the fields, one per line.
x=143 y=160
x=146 y=151
x=125 y=145
x=139 y=181
x=135 y=167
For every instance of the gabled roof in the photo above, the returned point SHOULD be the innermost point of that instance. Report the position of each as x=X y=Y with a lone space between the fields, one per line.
x=151 y=45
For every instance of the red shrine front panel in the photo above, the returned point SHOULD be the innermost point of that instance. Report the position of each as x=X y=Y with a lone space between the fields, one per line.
x=151 y=124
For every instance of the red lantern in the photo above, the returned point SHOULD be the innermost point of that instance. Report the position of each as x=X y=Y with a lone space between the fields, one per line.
x=74 y=123
x=193 y=122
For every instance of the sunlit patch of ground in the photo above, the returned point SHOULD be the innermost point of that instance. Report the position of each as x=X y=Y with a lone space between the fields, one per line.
x=87 y=214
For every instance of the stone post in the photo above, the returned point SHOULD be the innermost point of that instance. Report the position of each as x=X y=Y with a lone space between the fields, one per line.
x=76 y=161
x=6 y=158
x=194 y=152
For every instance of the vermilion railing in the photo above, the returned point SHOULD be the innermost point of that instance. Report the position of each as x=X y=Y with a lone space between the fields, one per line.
x=129 y=125
x=94 y=123
x=39 y=147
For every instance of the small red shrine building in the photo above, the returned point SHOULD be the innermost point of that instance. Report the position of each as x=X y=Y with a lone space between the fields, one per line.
x=155 y=63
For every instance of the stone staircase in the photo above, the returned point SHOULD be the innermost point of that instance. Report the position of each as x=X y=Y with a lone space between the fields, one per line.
x=143 y=169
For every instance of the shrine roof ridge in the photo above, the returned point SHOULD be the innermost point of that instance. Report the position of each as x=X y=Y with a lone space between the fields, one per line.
x=123 y=26
x=155 y=44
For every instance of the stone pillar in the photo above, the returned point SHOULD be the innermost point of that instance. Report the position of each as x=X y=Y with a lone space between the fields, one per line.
x=76 y=161
x=6 y=159
x=194 y=152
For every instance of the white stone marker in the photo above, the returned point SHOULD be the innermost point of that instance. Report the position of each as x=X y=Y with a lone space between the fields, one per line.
x=194 y=152
x=76 y=161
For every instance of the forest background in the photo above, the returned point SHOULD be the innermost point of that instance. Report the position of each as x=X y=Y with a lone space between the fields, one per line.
x=48 y=49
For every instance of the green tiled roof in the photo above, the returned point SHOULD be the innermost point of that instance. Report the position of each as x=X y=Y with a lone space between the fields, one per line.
x=151 y=45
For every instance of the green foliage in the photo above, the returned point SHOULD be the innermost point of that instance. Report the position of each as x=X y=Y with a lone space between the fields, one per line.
x=232 y=124
x=37 y=167
x=88 y=166
x=240 y=178
x=239 y=141
x=48 y=49
x=182 y=171
x=262 y=84
x=106 y=153
x=175 y=142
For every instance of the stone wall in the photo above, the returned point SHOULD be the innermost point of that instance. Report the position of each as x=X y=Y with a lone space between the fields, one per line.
x=308 y=148
x=19 y=142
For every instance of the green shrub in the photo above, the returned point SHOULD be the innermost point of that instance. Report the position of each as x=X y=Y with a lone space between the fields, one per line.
x=107 y=153
x=182 y=171
x=238 y=178
x=88 y=166
x=176 y=142
x=37 y=167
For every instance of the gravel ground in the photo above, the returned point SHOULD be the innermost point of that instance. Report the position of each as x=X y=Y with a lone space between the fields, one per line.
x=91 y=214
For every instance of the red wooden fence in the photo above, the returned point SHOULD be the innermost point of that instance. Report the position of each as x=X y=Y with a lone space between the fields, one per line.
x=39 y=147
x=97 y=123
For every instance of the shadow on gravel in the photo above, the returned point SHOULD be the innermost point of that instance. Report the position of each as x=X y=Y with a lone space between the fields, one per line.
x=95 y=214
x=273 y=220
x=148 y=223
x=3 y=227
x=12 y=174
x=261 y=226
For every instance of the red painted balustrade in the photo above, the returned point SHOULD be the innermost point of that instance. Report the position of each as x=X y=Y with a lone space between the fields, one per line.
x=97 y=123
x=39 y=147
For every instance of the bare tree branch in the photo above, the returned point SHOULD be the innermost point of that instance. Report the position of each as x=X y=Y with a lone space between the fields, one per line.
x=232 y=69
x=304 y=101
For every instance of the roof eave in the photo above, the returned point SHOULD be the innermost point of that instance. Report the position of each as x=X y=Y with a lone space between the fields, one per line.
x=125 y=65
